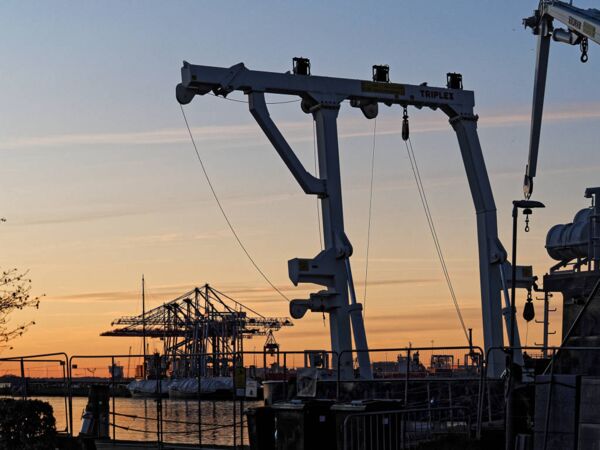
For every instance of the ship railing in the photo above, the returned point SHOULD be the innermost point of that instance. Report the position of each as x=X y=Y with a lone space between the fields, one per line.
x=57 y=360
x=153 y=426
x=413 y=389
x=552 y=354
x=231 y=427
x=424 y=387
x=404 y=429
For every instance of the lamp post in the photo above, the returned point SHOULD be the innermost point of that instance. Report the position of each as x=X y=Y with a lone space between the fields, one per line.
x=527 y=206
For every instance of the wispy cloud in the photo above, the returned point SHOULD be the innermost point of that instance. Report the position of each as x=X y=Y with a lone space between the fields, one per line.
x=174 y=237
x=156 y=137
x=238 y=292
x=425 y=320
x=163 y=136
x=247 y=290
x=164 y=292
x=83 y=216
x=249 y=134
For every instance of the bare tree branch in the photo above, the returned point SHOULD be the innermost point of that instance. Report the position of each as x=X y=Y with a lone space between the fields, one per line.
x=15 y=294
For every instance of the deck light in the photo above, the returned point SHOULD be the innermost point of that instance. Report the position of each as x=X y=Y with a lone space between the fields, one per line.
x=301 y=66
x=381 y=73
x=454 y=81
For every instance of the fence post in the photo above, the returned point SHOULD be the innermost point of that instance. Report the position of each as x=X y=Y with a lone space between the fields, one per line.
x=429 y=403
x=233 y=400
x=337 y=379
x=480 y=397
x=200 y=363
x=112 y=382
x=242 y=401
x=402 y=431
x=285 y=375
x=407 y=377
x=450 y=400
x=158 y=391
x=65 y=382
x=337 y=370
x=70 y=392
x=23 y=381
x=549 y=399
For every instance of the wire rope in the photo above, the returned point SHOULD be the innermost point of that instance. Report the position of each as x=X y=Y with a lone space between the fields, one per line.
x=370 y=216
x=236 y=100
x=238 y=303
x=431 y=224
x=229 y=224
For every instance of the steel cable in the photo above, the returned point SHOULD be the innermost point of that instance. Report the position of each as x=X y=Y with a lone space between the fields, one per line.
x=229 y=224
x=430 y=223
x=370 y=215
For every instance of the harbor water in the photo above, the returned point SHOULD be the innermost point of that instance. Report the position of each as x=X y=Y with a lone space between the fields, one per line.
x=135 y=419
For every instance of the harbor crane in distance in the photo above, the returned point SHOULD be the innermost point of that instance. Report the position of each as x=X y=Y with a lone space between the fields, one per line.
x=200 y=329
x=583 y=25
x=322 y=97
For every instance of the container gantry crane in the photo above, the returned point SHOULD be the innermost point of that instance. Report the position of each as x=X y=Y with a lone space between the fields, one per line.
x=203 y=321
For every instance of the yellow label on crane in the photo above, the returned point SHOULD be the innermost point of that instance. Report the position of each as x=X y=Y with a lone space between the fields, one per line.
x=589 y=29
x=386 y=88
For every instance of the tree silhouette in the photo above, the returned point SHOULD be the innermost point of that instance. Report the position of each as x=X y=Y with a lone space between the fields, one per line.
x=15 y=294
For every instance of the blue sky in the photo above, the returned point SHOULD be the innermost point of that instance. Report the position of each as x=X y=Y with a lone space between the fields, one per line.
x=100 y=182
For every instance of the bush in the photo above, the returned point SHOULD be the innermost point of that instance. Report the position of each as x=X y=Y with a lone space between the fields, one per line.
x=26 y=425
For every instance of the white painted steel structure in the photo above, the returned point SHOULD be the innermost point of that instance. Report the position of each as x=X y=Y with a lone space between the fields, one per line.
x=582 y=25
x=322 y=97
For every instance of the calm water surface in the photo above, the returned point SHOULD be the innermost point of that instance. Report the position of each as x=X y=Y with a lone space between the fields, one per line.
x=180 y=419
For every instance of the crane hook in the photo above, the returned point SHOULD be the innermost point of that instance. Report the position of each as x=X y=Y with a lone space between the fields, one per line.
x=583 y=46
x=527 y=212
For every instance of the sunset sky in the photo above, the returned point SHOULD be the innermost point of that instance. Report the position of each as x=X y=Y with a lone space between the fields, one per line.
x=100 y=183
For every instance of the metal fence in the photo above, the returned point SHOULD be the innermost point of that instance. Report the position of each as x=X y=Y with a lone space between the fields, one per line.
x=160 y=427
x=227 y=422
x=430 y=400
x=403 y=429
x=58 y=360
x=550 y=364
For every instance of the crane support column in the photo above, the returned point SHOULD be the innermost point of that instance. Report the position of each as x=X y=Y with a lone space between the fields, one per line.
x=333 y=233
x=331 y=267
x=491 y=252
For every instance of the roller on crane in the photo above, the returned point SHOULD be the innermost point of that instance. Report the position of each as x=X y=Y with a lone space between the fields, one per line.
x=581 y=27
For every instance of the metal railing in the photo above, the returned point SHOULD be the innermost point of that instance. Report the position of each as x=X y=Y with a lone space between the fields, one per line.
x=403 y=429
x=59 y=358
x=549 y=370
x=175 y=428
x=166 y=430
x=428 y=403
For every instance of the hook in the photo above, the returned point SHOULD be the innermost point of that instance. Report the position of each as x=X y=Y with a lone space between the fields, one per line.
x=526 y=212
x=584 y=50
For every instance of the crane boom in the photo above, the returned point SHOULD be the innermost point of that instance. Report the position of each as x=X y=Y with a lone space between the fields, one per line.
x=582 y=25
x=584 y=22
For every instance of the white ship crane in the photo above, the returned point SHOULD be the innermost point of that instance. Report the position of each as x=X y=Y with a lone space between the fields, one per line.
x=322 y=97
x=582 y=26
